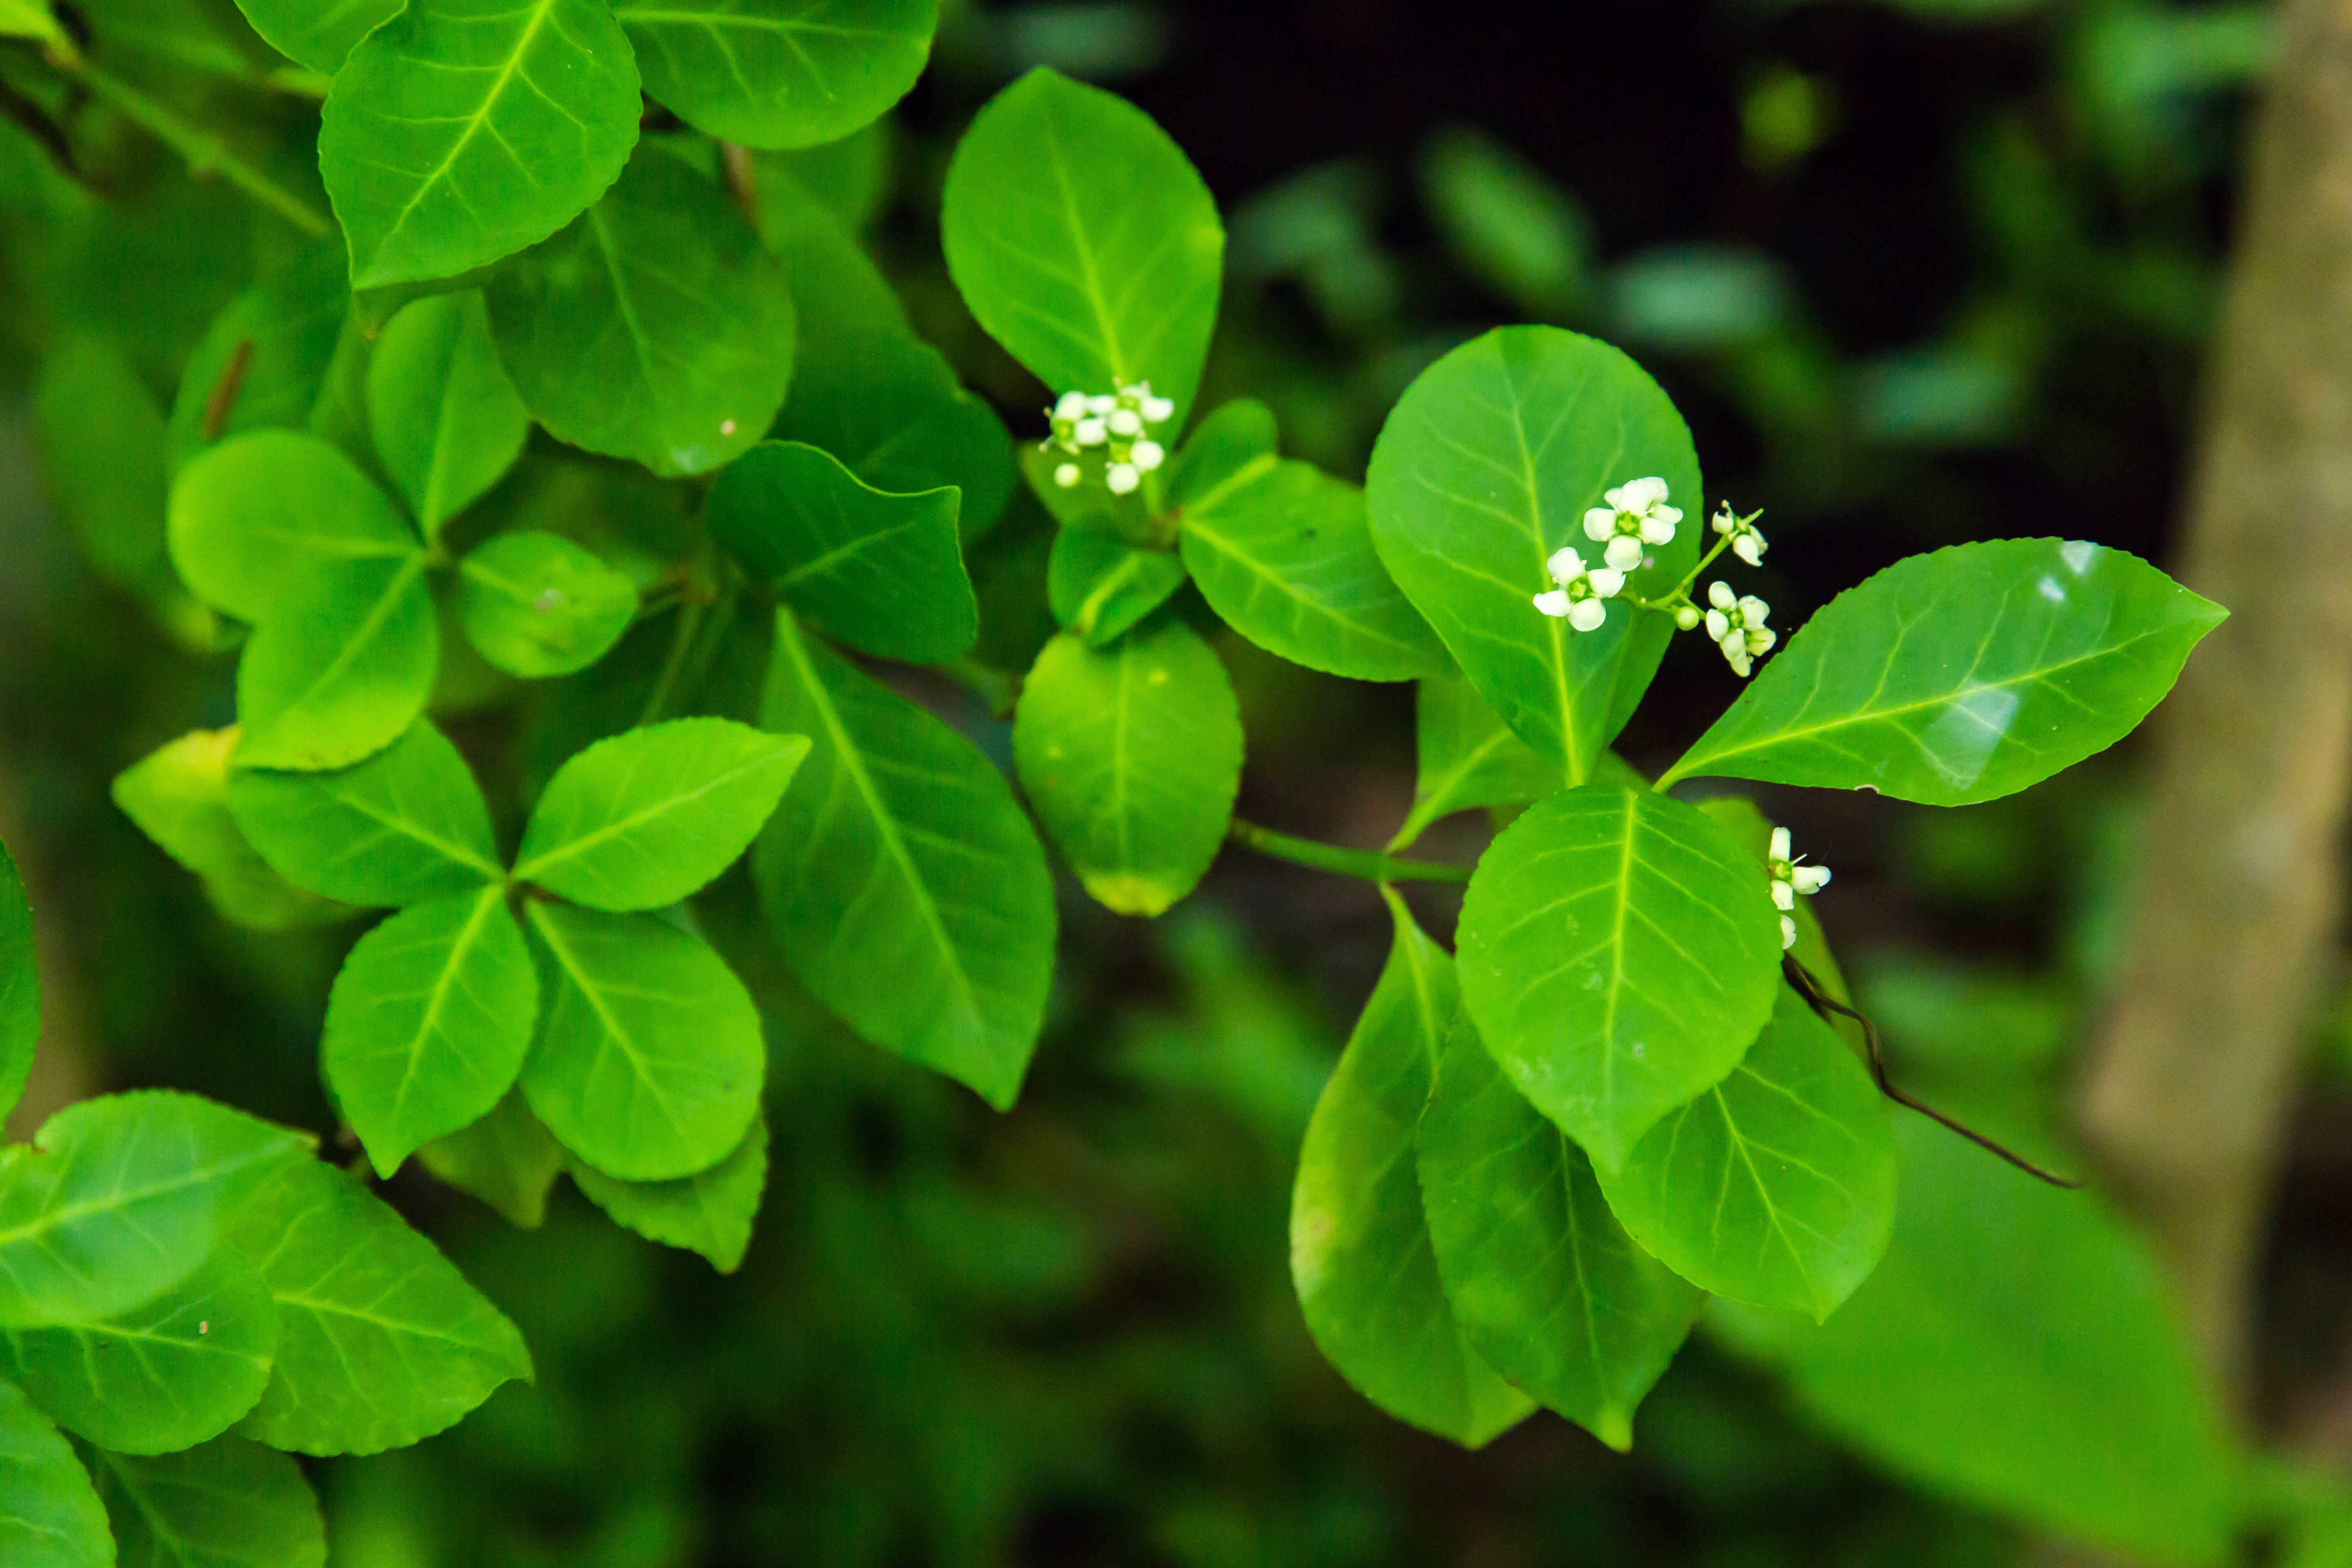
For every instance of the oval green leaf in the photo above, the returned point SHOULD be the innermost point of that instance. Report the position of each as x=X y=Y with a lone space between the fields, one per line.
x=901 y=882
x=446 y=421
x=1466 y=757
x=646 y=817
x=1359 y=1248
x=178 y=796
x=1619 y=951
x=881 y=572
x=1485 y=468
x=710 y=1211
x=227 y=1504
x=1963 y=675
x=649 y=1057
x=381 y=1341
x=50 y=1513
x=1546 y=1283
x=405 y=826
x=1083 y=241
x=778 y=73
x=537 y=604
x=429 y=1022
x=1131 y=756
x=315 y=34
x=342 y=665
x=462 y=131
x=1100 y=586
x=655 y=328
x=1775 y=1187
x=252 y=517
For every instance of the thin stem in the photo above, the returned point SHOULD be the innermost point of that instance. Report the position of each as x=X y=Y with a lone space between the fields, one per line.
x=1372 y=865
x=1683 y=588
x=205 y=151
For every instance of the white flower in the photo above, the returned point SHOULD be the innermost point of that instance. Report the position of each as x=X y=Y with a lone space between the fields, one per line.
x=1789 y=879
x=1736 y=626
x=1122 y=478
x=1101 y=403
x=1747 y=539
x=1158 y=410
x=1066 y=475
x=1147 y=455
x=1115 y=422
x=1125 y=422
x=1071 y=408
x=1636 y=514
x=1579 y=597
x=1090 y=433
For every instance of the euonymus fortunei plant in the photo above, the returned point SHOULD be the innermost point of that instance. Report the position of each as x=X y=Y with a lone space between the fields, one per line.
x=532 y=692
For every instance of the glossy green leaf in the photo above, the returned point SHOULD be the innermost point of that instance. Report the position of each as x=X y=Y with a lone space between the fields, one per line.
x=429 y=1022
x=882 y=573
x=381 y=1340
x=100 y=437
x=1100 y=586
x=649 y=1057
x=407 y=824
x=1131 y=756
x=340 y=668
x=507 y=1159
x=228 y=1504
x=445 y=419
x=710 y=1211
x=1752 y=831
x=888 y=405
x=1468 y=757
x=2018 y=1349
x=646 y=817
x=902 y=883
x=178 y=796
x=537 y=604
x=1359 y=1248
x=1619 y=951
x=319 y=34
x=119 y=1199
x=654 y=328
x=1546 y=1283
x=1240 y=436
x=1083 y=241
x=1963 y=675
x=1486 y=466
x=852 y=175
x=266 y=361
x=168 y=1374
x=253 y=517
x=840 y=297
x=462 y=131
x=1776 y=1187
x=20 y=985
x=778 y=73
x=1282 y=550
x=50 y=1513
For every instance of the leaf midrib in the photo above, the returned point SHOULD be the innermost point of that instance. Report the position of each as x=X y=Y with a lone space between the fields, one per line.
x=572 y=848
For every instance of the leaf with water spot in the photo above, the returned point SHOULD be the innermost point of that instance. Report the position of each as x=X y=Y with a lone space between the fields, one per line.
x=537 y=604
x=778 y=73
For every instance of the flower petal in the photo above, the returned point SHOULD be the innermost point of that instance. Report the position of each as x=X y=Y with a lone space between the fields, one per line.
x=1606 y=583
x=1623 y=553
x=1585 y=614
x=1718 y=593
x=1554 y=604
x=1564 y=565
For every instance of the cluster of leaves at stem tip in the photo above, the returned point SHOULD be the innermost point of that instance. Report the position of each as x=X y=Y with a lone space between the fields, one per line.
x=662 y=625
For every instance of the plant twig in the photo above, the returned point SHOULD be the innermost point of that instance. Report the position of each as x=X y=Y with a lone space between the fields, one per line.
x=1372 y=864
x=206 y=151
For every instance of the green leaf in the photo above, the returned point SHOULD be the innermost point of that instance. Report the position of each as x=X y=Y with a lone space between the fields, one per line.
x=710 y=1211
x=1359 y=1250
x=266 y=361
x=889 y=407
x=649 y=1058
x=381 y=1340
x=1468 y=757
x=1239 y=436
x=168 y=1374
x=1548 y=1286
x=646 y=817
x=119 y=1199
x=319 y=34
x=537 y=604
x=882 y=573
x=778 y=73
x=178 y=796
x=1131 y=756
x=20 y=985
x=253 y=517
x=1083 y=241
x=841 y=297
x=228 y=1504
x=1962 y=675
x=851 y=176
x=342 y=665
x=902 y=883
x=1752 y=831
x=654 y=328
x=1282 y=551
x=1100 y=586
x=1619 y=951
x=1486 y=466
x=405 y=826
x=462 y=131
x=507 y=1159
x=2018 y=1349
x=445 y=419
x=1777 y=1186
x=50 y=1513
x=429 y=1022
x=101 y=443
x=31 y=19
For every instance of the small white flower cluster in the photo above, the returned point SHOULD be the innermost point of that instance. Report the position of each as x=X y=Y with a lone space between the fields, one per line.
x=1117 y=422
x=1737 y=624
x=1581 y=589
x=1635 y=517
x=1789 y=879
x=1747 y=539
